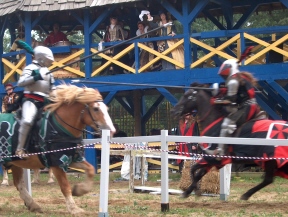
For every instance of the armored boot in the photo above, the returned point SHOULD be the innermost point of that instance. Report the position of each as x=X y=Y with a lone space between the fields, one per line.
x=23 y=134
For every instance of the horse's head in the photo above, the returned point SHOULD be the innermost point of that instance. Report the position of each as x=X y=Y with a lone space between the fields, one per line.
x=186 y=104
x=96 y=115
x=78 y=107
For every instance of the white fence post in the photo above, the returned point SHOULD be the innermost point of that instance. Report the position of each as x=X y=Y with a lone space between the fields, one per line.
x=164 y=172
x=104 y=178
x=27 y=180
x=225 y=177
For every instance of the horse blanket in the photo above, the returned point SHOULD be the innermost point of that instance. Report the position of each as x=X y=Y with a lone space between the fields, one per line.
x=46 y=135
x=253 y=129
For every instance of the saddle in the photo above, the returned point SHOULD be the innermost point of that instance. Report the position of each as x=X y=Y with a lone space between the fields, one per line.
x=261 y=115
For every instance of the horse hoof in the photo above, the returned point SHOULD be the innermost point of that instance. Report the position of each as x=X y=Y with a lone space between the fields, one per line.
x=35 y=182
x=35 y=208
x=198 y=192
x=244 y=197
x=77 y=211
x=50 y=181
x=184 y=195
x=5 y=183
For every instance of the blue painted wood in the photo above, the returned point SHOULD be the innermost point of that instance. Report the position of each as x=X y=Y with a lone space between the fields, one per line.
x=280 y=90
x=128 y=108
x=87 y=41
x=261 y=101
x=168 y=96
x=285 y=3
x=39 y=18
x=100 y=19
x=1 y=51
x=136 y=54
x=171 y=9
x=77 y=17
x=213 y=19
x=109 y=97
x=90 y=153
x=273 y=95
x=28 y=37
x=228 y=13
x=187 y=31
x=152 y=109
x=197 y=9
x=246 y=15
x=231 y=33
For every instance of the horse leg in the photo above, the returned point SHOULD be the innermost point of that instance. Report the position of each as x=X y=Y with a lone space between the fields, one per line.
x=84 y=187
x=196 y=177
x=18 y=181
x=51 y=177
x=270 y=167
x=66 y=190
x=36 y=174
x=5 y=177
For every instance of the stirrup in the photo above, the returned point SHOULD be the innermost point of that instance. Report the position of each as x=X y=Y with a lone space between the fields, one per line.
x=21 y=153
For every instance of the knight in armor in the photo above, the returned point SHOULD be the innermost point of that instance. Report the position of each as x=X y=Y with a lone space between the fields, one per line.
x=37 y=85
x=239 y=101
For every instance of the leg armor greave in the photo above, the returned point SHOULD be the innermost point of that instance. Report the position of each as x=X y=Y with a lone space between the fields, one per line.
x=29 y=112
x=228 y=127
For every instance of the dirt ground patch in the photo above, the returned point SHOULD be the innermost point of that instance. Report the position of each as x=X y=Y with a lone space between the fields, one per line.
x=270 y=201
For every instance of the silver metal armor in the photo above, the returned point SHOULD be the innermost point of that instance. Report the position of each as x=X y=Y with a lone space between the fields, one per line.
x=37 y=85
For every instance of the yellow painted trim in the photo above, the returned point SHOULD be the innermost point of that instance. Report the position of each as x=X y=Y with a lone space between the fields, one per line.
x=70 y=69
x=159 y=163
x=213 y=50
x=161 y=55
x=14 y=68
x=114 y=60
x=67 y=59
x=268 y=46
x=112 y=166
x=76 y=169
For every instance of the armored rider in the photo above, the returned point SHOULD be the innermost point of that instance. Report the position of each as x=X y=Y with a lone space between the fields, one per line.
x=37 y=85
x=240 y=99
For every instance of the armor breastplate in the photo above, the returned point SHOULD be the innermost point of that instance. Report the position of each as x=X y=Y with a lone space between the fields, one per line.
x=41 y=87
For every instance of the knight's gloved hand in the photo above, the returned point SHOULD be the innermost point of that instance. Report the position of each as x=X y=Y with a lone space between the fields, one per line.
x=36 y=74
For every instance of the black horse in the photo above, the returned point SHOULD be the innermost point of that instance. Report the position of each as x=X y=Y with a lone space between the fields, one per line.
x=210 y=118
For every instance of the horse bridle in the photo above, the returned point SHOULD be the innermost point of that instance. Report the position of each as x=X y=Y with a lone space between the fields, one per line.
x=193 y=98
x=81 y=119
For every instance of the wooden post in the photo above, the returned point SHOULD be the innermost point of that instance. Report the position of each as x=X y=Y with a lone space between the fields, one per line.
x=137 y=96
x=131 y=180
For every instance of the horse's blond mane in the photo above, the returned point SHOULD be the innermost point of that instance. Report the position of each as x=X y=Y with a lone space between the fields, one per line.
x=69 y=94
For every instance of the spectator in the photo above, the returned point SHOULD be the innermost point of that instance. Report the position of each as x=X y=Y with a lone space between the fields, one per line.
x=114 y=32
x=178 y=53
x=55 y=36
x=10 y=102
x=119 y=133
x=187 y=127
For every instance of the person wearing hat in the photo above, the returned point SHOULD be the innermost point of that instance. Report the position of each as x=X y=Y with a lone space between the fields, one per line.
x=55 y=36
x=10 y=102
x=178 y=53
x=20 y=36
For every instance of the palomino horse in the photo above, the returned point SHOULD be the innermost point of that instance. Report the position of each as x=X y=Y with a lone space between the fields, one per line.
x=57 y=135
x=35 y=179
x=210 y=118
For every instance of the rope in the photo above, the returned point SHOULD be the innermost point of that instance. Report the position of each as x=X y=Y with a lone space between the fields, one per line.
x=137 y=147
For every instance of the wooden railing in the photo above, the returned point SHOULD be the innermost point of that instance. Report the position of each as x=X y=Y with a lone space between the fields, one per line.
x=225 y=49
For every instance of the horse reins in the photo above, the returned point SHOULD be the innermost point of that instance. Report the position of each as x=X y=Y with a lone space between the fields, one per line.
x=81 y=117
